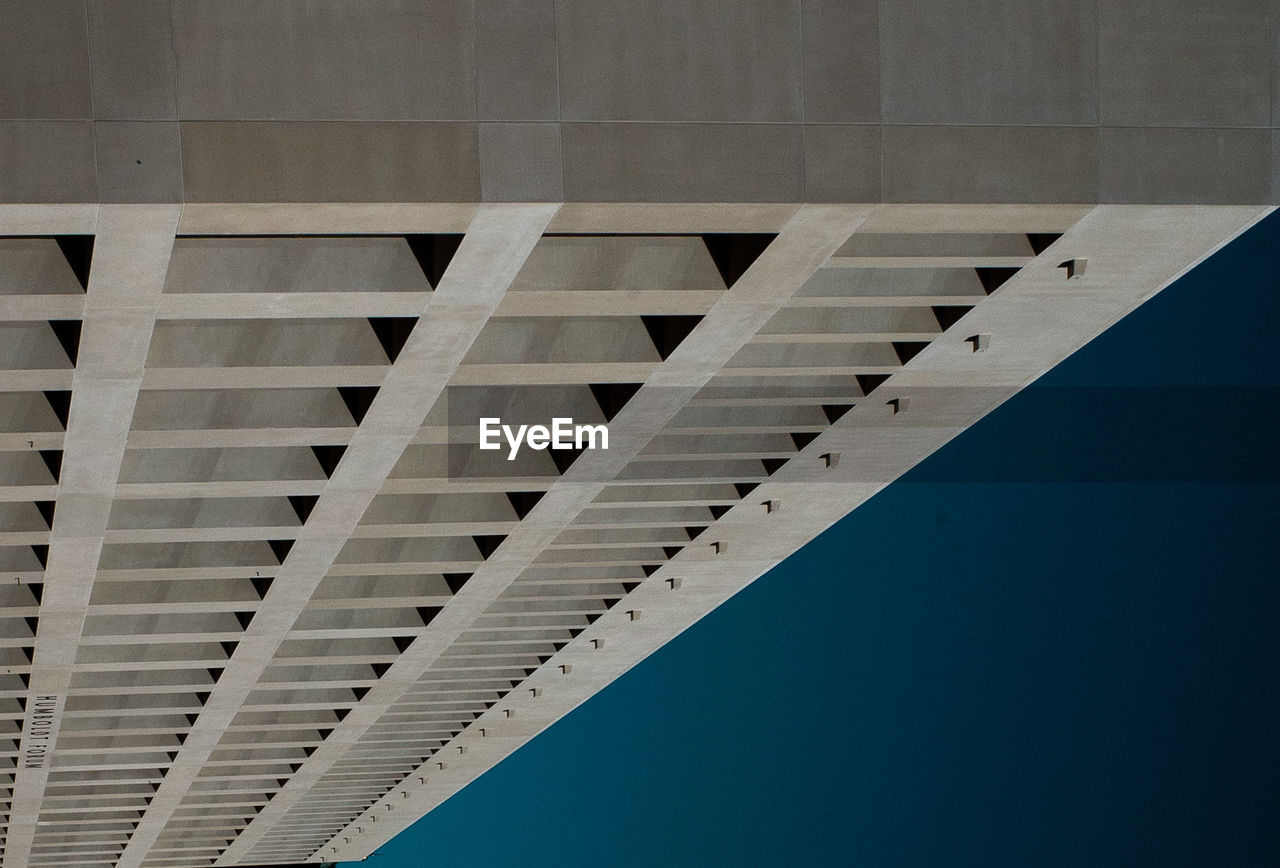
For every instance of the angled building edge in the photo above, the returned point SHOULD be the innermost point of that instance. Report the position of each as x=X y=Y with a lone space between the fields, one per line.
x=268 y=605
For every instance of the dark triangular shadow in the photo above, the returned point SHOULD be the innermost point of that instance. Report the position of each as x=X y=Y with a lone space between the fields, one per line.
x=488 y=543
x=668 y=332
x=434 y=253
x=60 y=403
x=280 y=548
x=524 y=501
x=908 y=350
x=455 y=581
x=46 y=508
x=78 y=251
x=564 y=458
x=993 y=278
x=949 y=315
x=1040 y=241
x=328 y=456
x=67 y=331
x=735 y=252
x=612 y=397
x=802 y=438
x=358 y=400
x=834 y=412
x=52 y=459
x=868 y=383
x=303 y=504
x=392 y=333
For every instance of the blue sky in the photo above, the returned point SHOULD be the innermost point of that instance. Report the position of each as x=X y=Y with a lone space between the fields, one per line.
x=1054 y=642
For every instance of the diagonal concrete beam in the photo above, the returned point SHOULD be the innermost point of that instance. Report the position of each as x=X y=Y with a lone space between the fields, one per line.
x=497 y=242
x=805 y=242
x=131 y=256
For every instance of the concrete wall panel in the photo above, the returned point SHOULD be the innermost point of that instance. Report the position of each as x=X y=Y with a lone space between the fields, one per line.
x=330 y=162
x=842 y=163
x=44 y=60
x=841 y=61
x=683 y=162
x=134 y=69
x=1185 y=62
x=47 y=161
x=679 y=60
x=376 y=60
x=990 y=164
x=1190 y=166
x=521 y=163
x=516 y=64
x=988 y=62
x=139 y=161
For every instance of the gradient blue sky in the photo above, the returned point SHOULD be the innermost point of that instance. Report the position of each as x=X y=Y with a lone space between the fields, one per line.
x=1055 y=642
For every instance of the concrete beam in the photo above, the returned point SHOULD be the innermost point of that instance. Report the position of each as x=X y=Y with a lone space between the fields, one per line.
x=131 y=255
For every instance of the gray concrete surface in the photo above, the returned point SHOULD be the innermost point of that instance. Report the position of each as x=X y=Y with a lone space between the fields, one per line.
x=1131 y=101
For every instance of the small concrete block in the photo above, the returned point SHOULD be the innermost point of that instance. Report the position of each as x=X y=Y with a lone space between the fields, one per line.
x=640 y=162
x=330 y=162
x=1188 y=166
x=47 y=161
x=520 y=163
x=973 y=164
x=842 y=163
x=139 y=161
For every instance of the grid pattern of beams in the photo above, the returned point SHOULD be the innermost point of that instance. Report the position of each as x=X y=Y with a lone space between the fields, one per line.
x=269 y=602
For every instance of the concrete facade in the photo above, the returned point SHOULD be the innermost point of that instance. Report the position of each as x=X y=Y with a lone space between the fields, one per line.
x=1131 y=101
x=260 y=263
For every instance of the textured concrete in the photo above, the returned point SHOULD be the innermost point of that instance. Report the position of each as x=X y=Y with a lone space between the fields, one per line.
x=658 y=100
x=132 y=254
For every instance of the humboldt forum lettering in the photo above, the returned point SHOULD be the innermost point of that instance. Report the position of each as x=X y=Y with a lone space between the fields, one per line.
x=381 y=381
x=35 y=740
